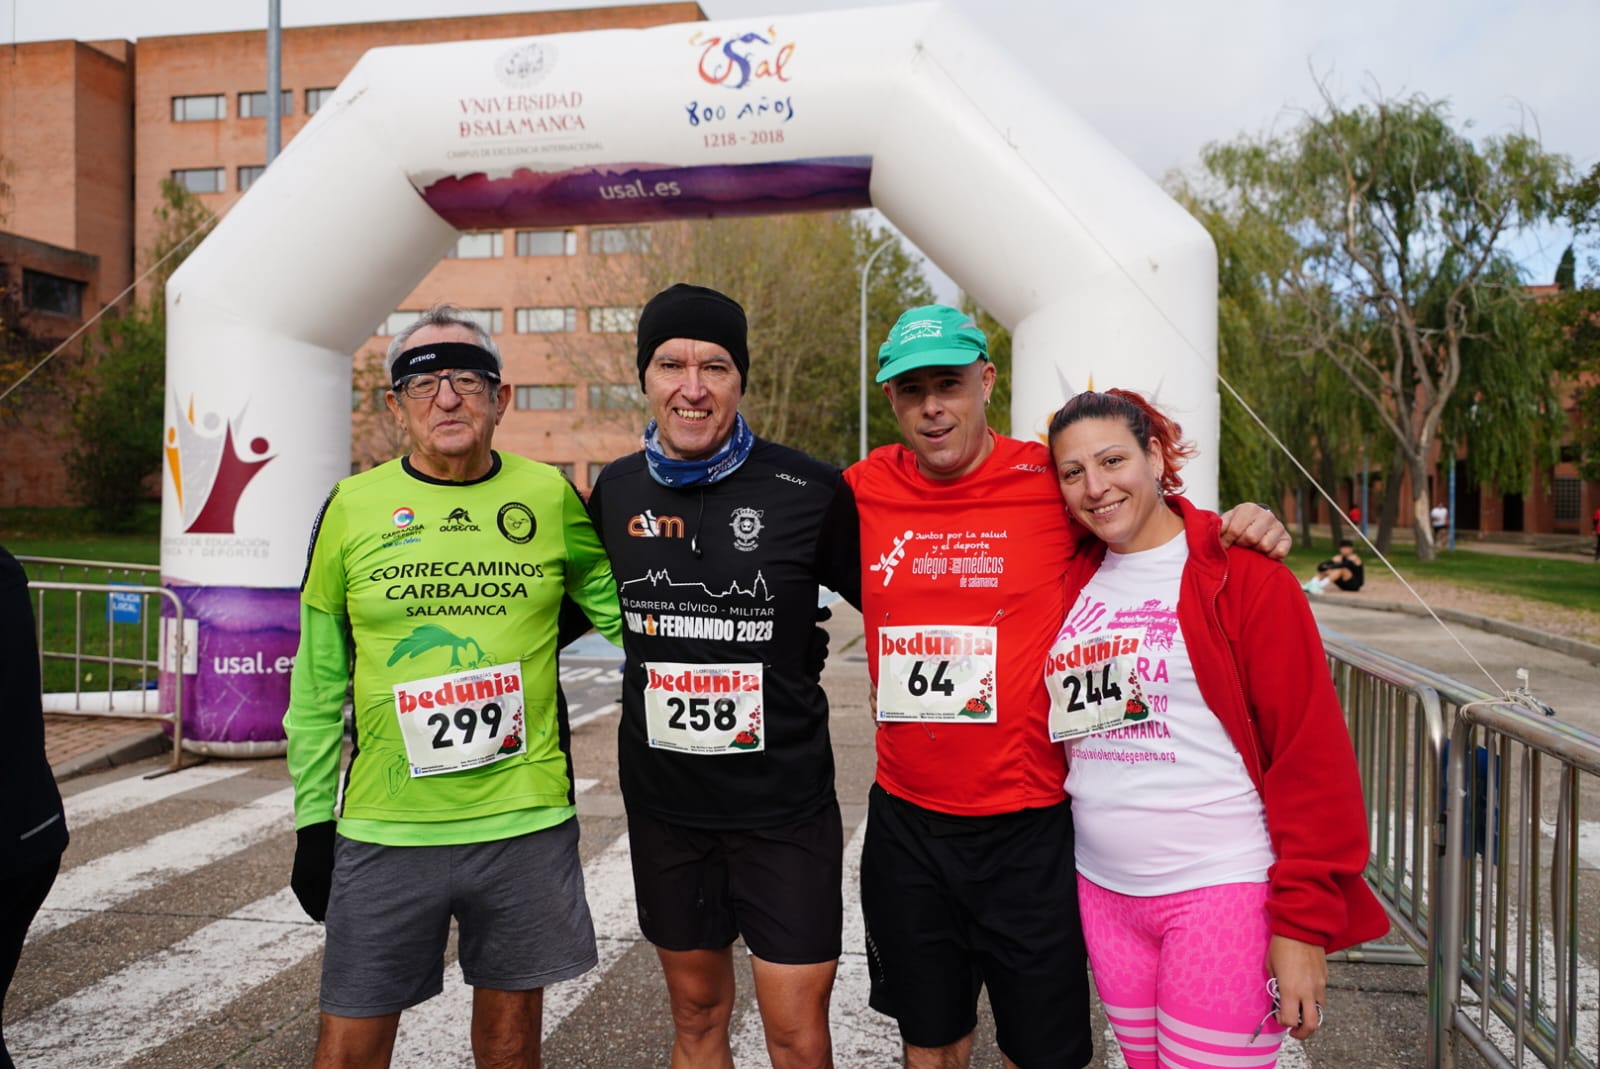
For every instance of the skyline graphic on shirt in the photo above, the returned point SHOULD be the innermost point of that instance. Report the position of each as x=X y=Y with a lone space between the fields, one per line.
x=658 y=577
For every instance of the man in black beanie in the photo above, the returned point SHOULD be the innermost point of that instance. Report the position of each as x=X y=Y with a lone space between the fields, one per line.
x=711 y=316
x=719 y=541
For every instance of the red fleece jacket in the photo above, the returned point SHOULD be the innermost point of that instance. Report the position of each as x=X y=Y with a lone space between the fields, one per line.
x=1260 y=665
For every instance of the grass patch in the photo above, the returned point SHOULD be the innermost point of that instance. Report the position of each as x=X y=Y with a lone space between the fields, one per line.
x=81 y=621
x=70 y=533
x=1571 y=584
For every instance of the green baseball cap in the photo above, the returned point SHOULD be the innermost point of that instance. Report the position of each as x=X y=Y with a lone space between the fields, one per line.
x=934 y=335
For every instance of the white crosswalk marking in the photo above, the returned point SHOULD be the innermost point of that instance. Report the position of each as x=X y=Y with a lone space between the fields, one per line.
x=102 y=883
x=119 y=796
x=578 y=720
x=155 y=1000
x=861 y=1035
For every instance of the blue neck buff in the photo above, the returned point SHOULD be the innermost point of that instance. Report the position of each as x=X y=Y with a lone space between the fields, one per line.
x=718 y=466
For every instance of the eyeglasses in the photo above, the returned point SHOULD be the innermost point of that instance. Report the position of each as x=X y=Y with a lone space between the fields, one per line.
x=464 y=383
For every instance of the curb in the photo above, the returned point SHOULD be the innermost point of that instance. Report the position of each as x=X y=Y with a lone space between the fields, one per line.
x=122 y=752
x=1588 y=652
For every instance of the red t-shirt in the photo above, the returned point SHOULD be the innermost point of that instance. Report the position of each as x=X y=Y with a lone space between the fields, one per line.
x=986 y=550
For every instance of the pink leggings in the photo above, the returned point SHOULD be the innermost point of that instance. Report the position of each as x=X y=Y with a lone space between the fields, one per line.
x=1183 y=976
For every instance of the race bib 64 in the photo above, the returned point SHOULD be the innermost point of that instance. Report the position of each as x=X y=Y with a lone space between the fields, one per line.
x=934 y=672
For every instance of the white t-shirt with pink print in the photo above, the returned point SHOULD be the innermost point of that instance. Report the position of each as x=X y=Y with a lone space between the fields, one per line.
x=1162 y=803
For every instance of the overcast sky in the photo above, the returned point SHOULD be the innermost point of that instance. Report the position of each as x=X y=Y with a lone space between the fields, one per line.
x=1159 y=78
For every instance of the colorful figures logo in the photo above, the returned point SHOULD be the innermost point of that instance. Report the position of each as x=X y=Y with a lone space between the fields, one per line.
x=208 y=471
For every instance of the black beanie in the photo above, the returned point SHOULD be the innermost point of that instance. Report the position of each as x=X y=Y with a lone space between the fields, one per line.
x=698 y=313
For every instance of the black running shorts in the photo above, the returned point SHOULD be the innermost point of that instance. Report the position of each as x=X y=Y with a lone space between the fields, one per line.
x=953 y=904
x=699 y=889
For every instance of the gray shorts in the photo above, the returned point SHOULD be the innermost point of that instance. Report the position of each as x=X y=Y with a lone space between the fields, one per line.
x=524 y=922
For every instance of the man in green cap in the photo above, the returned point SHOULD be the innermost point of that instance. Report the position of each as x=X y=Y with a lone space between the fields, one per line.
x=967 y=876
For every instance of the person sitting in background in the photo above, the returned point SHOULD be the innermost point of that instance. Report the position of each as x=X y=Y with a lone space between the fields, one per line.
x=1344 y=571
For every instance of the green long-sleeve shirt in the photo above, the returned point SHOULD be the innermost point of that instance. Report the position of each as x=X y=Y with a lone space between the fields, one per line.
x=443 y=593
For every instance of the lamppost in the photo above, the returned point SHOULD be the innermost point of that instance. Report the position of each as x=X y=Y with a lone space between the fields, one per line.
x=1364 y=512
x=866 y=269
x=275 y=79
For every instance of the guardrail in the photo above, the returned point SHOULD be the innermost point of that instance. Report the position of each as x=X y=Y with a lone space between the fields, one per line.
x=1397 y=727
x=1522 y=946
x=116 y=628
x=1481 y=875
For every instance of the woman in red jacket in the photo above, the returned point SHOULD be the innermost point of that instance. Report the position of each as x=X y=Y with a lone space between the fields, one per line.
x=1220 y=831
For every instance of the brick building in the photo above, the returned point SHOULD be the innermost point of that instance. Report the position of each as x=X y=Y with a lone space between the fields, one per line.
x=89 y=129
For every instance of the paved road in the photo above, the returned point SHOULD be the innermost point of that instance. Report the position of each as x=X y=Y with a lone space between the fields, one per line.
x=1569 y=684
x=172 y=940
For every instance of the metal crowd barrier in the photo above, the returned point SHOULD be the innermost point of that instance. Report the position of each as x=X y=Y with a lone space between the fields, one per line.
x=1398 y=730
x=1482 y=875
x=93 y=607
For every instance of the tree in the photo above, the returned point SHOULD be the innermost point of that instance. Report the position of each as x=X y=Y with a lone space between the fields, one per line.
x=376 y=435
x=798 y=278
x=1000 y=356
x=18 y=349
x=182 y=221
x=1399 y=272
x=117 y=416
x=1569 y=320
x=1305 y=404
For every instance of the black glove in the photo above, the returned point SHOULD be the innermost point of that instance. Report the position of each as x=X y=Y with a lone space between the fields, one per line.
x=312 y=879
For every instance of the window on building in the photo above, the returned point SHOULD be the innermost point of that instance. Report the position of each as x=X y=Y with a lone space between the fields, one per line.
x=254 y=105
x=368 y=399
x=547 y=398
x=202 y=179
x=615 y=319
x=199 y=108
x=397 y=321
x=315 y=98
x=612 y=395
x=43 y=292
x=480 y=245
x=547 y=242
x=566 y=469
x=489 y=319
x=547 y=320
x=1568 y=495
x=248 y=176
x=611 y=239
x=595 y=468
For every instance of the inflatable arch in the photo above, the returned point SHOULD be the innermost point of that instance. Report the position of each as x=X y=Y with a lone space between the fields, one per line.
x=1100 y=276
